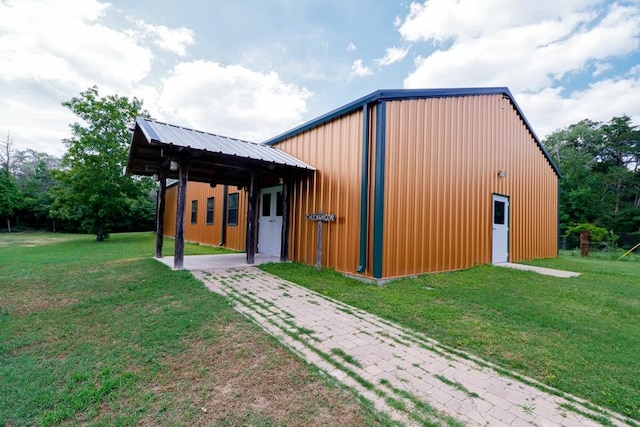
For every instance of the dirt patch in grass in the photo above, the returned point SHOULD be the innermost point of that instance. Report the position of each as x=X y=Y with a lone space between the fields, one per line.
x=242 y=377
x=30 y=240
x=29 y=300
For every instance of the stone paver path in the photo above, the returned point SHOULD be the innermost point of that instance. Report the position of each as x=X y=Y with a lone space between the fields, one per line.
x=414 y=379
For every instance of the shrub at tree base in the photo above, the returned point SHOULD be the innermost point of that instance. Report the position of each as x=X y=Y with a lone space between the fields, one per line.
x=599 y=236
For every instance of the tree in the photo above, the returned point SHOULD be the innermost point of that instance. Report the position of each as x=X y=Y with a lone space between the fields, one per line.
x=9 y=196
x=6 y=152
x=93 y=188
x=33 y=172
x=601 y=174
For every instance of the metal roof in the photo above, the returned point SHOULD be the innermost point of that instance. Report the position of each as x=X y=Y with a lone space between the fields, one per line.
x=213 y=158
x=401 y=94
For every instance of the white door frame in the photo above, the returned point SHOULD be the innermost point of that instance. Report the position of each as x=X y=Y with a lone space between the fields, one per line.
x=500 y=220
x=270 y=223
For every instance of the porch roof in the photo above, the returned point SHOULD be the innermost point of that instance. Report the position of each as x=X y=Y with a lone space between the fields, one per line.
x=212 y=158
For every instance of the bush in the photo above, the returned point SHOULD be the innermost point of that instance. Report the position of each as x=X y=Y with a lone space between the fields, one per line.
x=599 y=236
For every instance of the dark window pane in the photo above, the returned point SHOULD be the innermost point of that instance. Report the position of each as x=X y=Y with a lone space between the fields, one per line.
x=194 y=211
x=498 y=212
x=210 y=210
x=232 y=210
x=266 y=204
x=279 y=200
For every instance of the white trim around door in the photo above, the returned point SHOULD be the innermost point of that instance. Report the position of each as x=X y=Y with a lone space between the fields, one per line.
x=500 y=233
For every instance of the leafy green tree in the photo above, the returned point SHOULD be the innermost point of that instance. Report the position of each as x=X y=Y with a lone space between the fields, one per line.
x=33 y=172
x=601 y=175
x=93 y=189
x=9 y=196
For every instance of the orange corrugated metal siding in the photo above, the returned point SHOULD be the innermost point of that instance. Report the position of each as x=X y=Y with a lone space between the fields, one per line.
x=442 y=158
x=335 y=150
x=201 y=231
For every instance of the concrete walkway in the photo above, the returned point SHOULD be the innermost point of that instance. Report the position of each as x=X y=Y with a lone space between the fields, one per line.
x=540 y=270
x=414 y=379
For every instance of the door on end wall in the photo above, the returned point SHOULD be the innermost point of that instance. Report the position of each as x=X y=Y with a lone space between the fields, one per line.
x=500 y=236
x=270 y=221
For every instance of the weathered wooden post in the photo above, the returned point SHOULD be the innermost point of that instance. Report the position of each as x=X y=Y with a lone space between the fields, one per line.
x=320 y=218
x=284 y=233
x=183 y=178
x=162 y=193
x=585 y=238
x=252 y=220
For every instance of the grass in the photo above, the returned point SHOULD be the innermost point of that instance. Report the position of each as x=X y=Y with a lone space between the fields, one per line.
x=101 y=334
x=580 y=335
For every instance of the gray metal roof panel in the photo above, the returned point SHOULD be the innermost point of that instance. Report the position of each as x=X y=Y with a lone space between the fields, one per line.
x=164 y=133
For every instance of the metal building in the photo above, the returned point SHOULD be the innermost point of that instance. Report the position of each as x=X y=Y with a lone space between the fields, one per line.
x=411 y=181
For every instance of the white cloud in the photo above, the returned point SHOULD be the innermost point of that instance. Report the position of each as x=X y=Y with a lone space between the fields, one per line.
x=64 y=43
x=531 y=47
x=360 y=70
x=392 y=55
x=552 y=109
x=445 y=20
x=351 y=47
x=231 y=100
x=602 y=67
x=50 y=50
x=529 y=56
x=175 y=40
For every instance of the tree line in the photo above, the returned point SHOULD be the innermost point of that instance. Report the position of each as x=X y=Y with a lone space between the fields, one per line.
x=85 y=190
x=600 y=165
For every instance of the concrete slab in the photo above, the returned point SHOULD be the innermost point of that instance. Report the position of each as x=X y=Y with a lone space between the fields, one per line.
x=540 y=270
x=207 y=262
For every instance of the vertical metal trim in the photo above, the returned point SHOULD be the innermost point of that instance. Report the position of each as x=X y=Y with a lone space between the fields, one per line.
x=558 y=209
x=378 y=196
x=364 y=191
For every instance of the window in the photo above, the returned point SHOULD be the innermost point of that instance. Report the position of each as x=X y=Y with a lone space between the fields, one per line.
x=210 y=205
x=498 y=212
x=266 y=204
x=194 y=211
x=232 y=209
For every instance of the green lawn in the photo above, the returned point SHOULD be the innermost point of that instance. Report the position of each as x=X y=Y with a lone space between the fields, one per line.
x=101 y=334
x=580 y=335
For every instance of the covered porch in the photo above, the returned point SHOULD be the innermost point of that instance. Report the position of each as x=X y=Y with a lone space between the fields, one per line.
x=169 y=152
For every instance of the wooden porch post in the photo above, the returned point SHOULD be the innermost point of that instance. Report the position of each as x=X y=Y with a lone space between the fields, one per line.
x=160 y=213
x=183 y=177
x=284 y=247
x=252 y=220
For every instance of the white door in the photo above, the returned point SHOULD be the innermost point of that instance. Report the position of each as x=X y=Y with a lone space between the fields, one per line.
x=270 y=221
x=500 y=229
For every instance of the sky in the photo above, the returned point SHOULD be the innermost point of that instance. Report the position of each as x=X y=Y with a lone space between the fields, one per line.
x=253 y=69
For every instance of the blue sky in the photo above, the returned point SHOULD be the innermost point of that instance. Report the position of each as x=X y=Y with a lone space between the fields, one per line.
x=252 y=69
